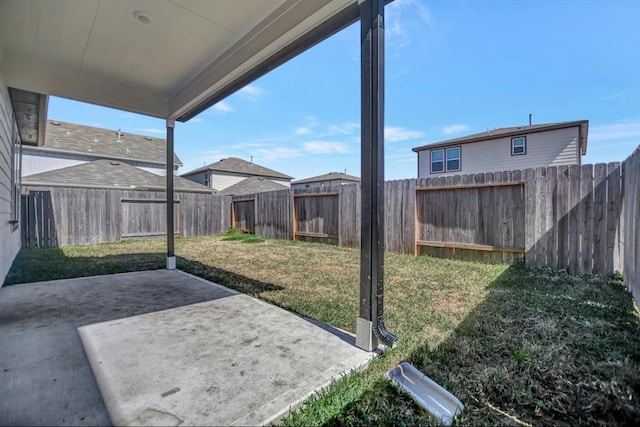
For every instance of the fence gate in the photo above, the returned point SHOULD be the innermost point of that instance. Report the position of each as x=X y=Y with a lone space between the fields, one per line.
x=476 y=222
x=316 y=217
x=38 y=220
x=243 y=214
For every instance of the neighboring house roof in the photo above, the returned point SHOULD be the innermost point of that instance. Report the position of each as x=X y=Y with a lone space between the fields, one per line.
x=71 y=138
x=515 y=131
x=331 y=176
x=251 y=185
x=239 y=166
x=109 y=174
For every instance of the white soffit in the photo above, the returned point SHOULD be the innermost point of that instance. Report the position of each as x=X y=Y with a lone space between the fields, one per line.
x=194 y=50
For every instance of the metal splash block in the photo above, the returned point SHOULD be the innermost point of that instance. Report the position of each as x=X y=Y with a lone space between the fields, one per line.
x=428 y=394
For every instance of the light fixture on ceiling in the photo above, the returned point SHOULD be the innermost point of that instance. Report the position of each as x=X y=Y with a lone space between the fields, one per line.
x=143 y=17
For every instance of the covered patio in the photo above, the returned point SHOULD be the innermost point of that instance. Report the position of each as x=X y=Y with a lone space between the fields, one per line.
x=158 y=348
x=153 y=344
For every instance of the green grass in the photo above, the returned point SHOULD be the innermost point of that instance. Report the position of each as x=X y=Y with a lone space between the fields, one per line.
x=517 y=346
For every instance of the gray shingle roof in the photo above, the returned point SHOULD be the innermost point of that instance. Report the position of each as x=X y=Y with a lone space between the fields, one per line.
x=109 y=174
x=514 y=131
x=251 y=185
x=328 y=177
x=239 y=166
x=103 y=143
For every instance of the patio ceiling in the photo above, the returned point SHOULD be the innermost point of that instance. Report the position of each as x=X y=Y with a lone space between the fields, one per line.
x=168 y=59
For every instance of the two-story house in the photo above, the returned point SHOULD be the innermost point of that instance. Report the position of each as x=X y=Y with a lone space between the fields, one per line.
x=519 y=147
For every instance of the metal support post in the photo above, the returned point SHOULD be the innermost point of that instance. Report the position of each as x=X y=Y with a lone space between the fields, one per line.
x=370 y=324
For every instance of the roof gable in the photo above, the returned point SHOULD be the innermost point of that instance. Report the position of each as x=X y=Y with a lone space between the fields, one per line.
x=252 y=185
x=109 y=174
x=241 y=167
x=328 y=177
x=97 y=142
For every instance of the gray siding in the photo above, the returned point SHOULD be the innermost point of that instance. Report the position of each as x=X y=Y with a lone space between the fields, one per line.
x=327 y=183
x=221 y=180
x=9 y=233
x=551 y=148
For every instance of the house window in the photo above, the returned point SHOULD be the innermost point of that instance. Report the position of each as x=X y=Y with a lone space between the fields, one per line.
x=445 y=160
x=518 y=146
x=206 y=179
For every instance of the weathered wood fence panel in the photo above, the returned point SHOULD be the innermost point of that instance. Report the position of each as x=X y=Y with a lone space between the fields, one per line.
x=273 y=218
x=77 y=216
x=471 y=217
x=243 y=211
x=573 y=218
x=400 y=224
x=316 y=215
x=631 y=217
x=145 y=217
x=349 y=216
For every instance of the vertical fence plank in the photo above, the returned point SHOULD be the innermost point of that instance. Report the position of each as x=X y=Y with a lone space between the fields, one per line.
x=614 y=199
x=599 y=218
x=587 y=214
x=562 y=221
x=575 y=220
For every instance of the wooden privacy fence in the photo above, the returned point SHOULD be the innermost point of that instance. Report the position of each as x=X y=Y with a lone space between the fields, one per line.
x=78 y=216
x=560 y=216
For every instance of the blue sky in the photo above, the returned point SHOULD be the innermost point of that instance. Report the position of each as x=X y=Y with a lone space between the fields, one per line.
x=453 y=67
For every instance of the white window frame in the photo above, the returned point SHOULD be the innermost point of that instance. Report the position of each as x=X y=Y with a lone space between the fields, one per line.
x=206 y=179
x=524 y=145
x=445 y=160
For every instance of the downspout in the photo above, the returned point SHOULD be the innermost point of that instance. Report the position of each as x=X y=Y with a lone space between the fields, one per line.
x=370 y=325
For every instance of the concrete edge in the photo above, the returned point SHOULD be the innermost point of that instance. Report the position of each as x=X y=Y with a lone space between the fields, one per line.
x=210 y=283
x=274 y=411
x=85 y=277
x=108 y=394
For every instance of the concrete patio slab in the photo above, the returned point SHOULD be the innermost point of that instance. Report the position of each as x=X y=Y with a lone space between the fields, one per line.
x=166 y=348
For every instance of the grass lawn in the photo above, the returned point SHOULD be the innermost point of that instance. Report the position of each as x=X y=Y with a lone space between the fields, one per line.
x=516 y=346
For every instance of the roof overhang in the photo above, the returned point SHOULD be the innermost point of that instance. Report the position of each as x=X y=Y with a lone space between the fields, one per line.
x=188 y=56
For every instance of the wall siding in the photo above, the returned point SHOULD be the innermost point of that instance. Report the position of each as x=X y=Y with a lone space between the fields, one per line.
x=9 y=234
x=221 y=180
x=551 y=148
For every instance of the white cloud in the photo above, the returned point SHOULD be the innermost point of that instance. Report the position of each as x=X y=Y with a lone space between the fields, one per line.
x=625 y=129
x=345 y=128
x=401 y=17
x=396 y=134
x=196 y=120
x=456 y=128
x=221 y=107
x=251 y=92
x=153 y=130
x=277 y=153
x=325 y=147
x=303 y=130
